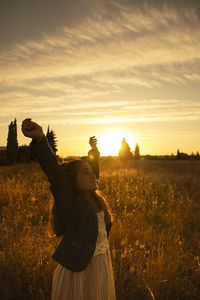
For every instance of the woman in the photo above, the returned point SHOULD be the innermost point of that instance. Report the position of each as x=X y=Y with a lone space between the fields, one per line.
x=81 y=216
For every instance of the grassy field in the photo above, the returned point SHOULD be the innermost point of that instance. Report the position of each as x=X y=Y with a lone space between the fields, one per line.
x=155 y=238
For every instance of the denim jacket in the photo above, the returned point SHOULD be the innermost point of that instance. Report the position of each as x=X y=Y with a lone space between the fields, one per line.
x=78 y=242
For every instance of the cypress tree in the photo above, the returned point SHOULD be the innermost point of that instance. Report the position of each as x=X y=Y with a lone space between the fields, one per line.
x=51 y=137
x=178 y=154
x=12 y=144
x=137 y=152
x=125 y=151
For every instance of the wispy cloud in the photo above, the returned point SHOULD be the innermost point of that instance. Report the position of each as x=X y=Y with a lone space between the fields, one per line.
x=110 y=112
x=133 y=39
x=99 y=60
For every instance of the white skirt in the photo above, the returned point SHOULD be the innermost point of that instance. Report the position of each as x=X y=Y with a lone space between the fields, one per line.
x=96 y=282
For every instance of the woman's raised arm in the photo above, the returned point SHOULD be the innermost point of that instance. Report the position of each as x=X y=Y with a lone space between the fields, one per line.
x=41 y=148
x=93 y=156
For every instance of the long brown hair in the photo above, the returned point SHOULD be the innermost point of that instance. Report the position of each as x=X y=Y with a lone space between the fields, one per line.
x=56 y=224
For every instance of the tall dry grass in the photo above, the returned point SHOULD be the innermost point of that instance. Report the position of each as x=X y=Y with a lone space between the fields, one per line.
x=155 y=238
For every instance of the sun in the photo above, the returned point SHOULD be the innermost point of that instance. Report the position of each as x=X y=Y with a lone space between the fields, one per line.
x=109 y=142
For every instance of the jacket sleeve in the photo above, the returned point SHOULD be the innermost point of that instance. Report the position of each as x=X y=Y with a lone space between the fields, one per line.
x=59 y=183
x=45 y=157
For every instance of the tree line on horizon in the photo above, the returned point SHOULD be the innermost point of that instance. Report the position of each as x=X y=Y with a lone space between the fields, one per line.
x=14 y=153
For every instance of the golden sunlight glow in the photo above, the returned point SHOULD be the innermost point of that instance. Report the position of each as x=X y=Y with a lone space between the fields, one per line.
x=109 y=142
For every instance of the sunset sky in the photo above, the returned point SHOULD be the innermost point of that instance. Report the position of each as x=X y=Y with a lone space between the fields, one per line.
x=112 y=69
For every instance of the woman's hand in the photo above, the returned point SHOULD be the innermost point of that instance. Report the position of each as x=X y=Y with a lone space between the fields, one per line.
x=93 y=142
x=32 y=130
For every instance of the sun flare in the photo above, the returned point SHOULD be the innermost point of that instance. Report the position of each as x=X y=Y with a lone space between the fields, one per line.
x=110 y=141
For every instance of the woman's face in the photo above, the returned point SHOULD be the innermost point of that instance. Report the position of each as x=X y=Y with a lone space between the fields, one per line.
x=86 y=178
